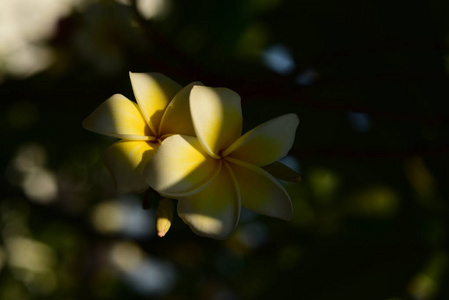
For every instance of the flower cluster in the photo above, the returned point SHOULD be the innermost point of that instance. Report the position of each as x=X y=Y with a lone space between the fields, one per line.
x=187 y=144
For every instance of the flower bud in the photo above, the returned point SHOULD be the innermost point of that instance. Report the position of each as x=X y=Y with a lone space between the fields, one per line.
x=164 y=216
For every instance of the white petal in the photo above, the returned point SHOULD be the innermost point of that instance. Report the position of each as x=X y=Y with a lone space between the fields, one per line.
x=153 y=92
x=267 y=142
x=126 y=160
x=180 y=167
x=260 y=191
x=214 y=211
x=119 y=117
x=217 y=117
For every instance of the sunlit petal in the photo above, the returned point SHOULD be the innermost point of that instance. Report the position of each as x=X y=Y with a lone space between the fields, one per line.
x=260 y=191
x=126 y=161
x=177 y=117
x=180 y=167
x=267 y=142
x=153 y=92
x=213 y=212
x=118 y=117
x=216 y=116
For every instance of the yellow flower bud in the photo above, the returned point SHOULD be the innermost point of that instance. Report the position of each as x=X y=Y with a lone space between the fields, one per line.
x=164 y=216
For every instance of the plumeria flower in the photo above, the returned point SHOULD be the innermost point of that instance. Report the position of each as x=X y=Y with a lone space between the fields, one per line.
x=216 y=173
x=162 y=109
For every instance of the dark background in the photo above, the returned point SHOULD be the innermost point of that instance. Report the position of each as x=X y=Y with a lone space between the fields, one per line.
x=369 y=81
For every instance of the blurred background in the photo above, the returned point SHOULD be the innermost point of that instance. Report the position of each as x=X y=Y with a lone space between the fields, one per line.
x=368 y=79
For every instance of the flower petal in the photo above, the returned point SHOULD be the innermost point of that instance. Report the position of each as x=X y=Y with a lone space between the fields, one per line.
x=180 y=167
x=281 y=171
x=267 y=142
x=216 y=116
x=118 y=117
x=215 y=211
x=260 y=191
x=126 y=160
x=177 y=119
x=153 y=92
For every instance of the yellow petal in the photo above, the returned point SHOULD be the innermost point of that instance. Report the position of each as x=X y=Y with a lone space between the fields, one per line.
x=126 y=161
x=260 y=191
x=267 y=142
x=118 y=117
x=281 y=171
x=215 y=211
x=153 y=92
x=217 y=117
x=164 y=216
x=180 y=167
x=177 y=119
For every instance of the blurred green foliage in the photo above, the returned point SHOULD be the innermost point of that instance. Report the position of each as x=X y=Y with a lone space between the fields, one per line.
x=369 y=81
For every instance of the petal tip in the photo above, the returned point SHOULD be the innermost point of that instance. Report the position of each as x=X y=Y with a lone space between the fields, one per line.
x=294 y=117
x=84 y=123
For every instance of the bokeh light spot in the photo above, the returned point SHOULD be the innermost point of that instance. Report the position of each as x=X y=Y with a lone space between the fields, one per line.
x=359 y=121
x=108 y=217
x=126 y=256
x=279 y=59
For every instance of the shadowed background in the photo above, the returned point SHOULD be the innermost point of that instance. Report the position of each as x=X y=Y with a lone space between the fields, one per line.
x=368 y=79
